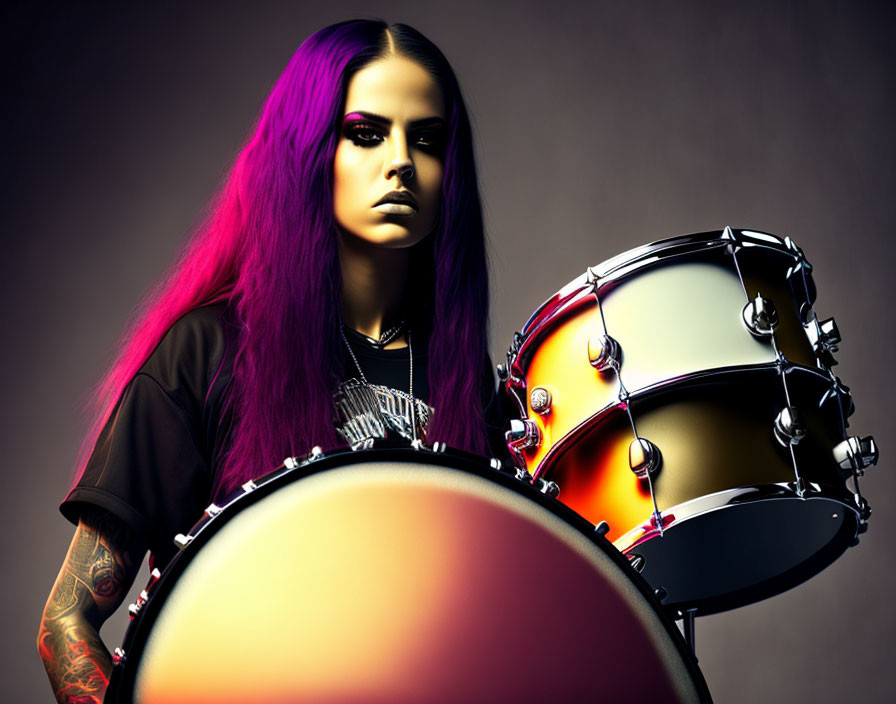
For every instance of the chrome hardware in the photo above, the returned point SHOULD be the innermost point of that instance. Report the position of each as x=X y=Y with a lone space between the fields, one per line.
x=643 y=457
x=592 y=276
x=495 y=463
x=660 y=593
x=250 y=486
x=417 y=444
x=637 y=561
x=181 y=540
x=604 y=353
x=602 y=528
x=315 y=454
x=291 y=462
x=502 y=372
x=825 y=339
x=540 y=399
x=864 y=510
x=760 y=317
x=439 y=447
x=118 y=656
x=829 y=335
x=212 y=510
x=522 y=475
x=522 y=434
x=855 y=454
x=789 y=428
x=134 y=608
x=548 y=488
x=839 y=394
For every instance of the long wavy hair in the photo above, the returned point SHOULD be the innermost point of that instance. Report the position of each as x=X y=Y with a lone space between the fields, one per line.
x=269 y=248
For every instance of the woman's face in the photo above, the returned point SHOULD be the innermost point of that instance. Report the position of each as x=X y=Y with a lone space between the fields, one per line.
x=387 y=174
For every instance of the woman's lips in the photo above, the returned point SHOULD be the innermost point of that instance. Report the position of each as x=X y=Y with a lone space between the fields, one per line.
x=397 y=203
x=390 y=208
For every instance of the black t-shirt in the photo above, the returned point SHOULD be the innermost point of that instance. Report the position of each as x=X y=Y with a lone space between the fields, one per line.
x=154 y=463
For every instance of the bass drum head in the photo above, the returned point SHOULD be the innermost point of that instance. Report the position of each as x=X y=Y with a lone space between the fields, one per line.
x=399 y=580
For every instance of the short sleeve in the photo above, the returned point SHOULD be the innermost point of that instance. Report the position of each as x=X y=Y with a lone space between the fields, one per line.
x=150 y=466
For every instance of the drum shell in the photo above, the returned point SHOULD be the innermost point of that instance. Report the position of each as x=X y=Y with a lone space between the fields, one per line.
x=674 y=319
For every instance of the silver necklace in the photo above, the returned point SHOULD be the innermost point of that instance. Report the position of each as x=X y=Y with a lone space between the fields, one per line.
x=413 y=402
x=385 y=338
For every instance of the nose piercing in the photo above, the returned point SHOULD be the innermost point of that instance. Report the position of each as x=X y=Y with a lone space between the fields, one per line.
x=406 y=171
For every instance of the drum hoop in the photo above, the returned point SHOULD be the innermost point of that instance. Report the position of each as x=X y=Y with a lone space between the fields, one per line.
x=121 y=682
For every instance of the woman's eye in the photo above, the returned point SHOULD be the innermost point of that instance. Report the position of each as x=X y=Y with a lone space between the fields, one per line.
x=364 y=135
x=430 y=141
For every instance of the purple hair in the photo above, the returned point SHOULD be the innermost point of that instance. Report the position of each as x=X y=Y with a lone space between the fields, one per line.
x=269 y=248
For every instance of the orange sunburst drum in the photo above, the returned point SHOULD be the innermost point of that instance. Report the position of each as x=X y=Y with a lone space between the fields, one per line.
x=400 y=576
x=682 y=393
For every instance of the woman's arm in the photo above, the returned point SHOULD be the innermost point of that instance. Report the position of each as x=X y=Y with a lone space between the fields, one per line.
x=100 y=567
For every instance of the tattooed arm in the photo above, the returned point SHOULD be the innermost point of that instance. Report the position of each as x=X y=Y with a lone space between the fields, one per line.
x=100 y=567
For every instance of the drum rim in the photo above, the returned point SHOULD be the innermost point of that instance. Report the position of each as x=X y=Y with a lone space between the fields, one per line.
x=652 y=253
x=579 y=292
x=759 y=493
x=121 y=682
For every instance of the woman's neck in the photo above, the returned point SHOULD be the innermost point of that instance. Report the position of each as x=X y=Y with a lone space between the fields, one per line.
x=373 y=282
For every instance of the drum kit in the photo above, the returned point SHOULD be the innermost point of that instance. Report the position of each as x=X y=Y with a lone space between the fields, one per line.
x=682 y=449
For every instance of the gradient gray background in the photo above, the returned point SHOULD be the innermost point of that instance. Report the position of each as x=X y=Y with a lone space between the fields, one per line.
x=599 y=127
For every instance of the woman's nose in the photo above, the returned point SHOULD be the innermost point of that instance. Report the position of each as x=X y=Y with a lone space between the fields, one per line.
x=399 y=162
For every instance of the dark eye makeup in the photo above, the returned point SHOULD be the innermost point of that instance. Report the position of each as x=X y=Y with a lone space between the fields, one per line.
x=364 y=132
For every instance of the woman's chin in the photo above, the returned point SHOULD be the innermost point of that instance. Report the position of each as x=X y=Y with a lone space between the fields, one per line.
x=388 y=235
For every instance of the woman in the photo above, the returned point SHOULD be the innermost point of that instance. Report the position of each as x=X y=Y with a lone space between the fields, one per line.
x=343 y=262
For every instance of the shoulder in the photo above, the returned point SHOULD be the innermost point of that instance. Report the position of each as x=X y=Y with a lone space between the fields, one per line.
x=191 y=353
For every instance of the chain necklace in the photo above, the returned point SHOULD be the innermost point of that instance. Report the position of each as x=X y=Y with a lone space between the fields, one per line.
x=385 y=338
x=413 y=402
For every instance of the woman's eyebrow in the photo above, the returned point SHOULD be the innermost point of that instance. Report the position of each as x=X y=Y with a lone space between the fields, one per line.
x=373 y=117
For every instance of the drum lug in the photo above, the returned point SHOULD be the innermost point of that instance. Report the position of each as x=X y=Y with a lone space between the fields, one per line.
x=250 y=486
x=522 y=475
x=540 y=400
x=760 y=317
x=291 y=462
x=604 y=353
x=789 y=428
x=212 y=510
x=602 y=528
x=643 y=457
x=118 y=656
x=181 y=540
x=855 y=454
x=637 y=562
x=547 y=488
x=660 y=594
x=496 y=464
x=522 y=435
x=840 y=394
x=134 y=608
x=502 y=372
x=864 y=511
x=825 y=339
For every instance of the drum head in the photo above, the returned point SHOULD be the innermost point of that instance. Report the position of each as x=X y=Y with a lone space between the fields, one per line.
x=402 y=581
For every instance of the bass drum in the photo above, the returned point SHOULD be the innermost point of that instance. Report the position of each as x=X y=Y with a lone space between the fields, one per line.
x=683 y=393
x=399 y=576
